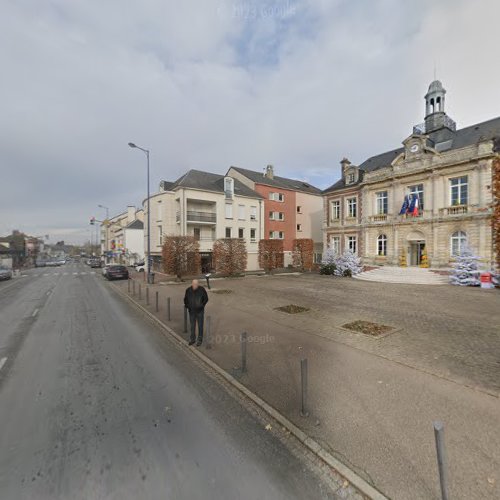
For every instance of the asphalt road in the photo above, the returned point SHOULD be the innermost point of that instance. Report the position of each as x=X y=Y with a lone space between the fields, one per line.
x=96 y=404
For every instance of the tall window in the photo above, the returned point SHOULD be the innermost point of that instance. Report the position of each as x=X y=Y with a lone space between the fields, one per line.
x=382 y=203
x=241 y=233
x=229 y=187
x=252 y=235
x=382 y=245
x=335 y=244
x=299 y=209
x=458 y=243
x=350 y=178
x=299 y=227
x=336 y=210
x=418 y=190
x=228 y=232
x=352 y=244
x=253 y=213
x=459 y=191
x=241 y=212
x=160 y=235
x=276 y=216
x=229 y=211
x=352 y=207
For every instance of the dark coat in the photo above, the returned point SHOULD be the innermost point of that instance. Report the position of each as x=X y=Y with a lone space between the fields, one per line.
x=195 y=300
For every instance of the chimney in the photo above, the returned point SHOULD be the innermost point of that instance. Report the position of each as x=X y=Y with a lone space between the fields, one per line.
x=269 y=172
x=130 y=214
x=344 y=165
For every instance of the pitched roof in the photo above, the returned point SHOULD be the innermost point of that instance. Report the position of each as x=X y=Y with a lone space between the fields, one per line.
x=136 y=224
x=277 y=181
x=206 y=181
x=442 y=139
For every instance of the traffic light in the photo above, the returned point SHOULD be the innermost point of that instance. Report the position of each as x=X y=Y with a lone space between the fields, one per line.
x=92 y=221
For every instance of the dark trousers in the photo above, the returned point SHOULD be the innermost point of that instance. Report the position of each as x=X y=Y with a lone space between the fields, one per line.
x=196 y=317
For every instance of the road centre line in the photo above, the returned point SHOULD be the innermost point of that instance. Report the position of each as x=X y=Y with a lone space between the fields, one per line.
x=2 y=362
x=35 y=312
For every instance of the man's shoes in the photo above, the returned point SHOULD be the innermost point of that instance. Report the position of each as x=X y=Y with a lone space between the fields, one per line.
x=191 y=342
x=198 y=343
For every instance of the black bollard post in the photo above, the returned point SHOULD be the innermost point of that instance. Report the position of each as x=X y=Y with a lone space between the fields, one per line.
x=243 y=343
x=147 y=296
x=185 y=320
x=303 y=379
x=140 y=292
x=168 y=309
x=441 y=458
x=156 y=307
x=133 y=288
x=128 y=285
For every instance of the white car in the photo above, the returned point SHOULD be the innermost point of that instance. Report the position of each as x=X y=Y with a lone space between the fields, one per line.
x=140 y=268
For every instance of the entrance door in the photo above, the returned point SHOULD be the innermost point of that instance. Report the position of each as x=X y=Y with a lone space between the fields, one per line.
x=206 y=262
x=416 y=251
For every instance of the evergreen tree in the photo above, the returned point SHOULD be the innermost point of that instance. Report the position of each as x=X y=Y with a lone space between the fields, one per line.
x=328 y=263
x=348 y=264
x=465 y=270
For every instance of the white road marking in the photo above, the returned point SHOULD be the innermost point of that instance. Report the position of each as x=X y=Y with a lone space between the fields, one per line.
x=46 y=274
x=65 y=274
x=75 y=274
x=93 y=272
x=2 y=362
x=83 y=273
x=35 y=312
x=48 y=293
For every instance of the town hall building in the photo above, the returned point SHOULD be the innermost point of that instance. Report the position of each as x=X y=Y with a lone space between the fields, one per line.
x=432 y=196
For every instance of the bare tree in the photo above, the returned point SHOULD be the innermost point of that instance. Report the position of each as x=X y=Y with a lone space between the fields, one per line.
x=230 y=256
x=303 y=253
x=181 y=256
x=271 y=254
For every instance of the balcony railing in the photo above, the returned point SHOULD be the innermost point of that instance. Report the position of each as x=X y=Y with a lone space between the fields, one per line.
x=378 y=218
x=196 y=216
x=455 y=210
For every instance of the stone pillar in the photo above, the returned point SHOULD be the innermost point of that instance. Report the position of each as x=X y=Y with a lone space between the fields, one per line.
x=395 y=246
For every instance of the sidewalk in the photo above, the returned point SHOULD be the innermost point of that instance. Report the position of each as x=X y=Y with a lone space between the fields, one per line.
x=375 y=414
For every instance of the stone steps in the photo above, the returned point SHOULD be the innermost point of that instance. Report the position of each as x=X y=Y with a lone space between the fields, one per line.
x=407 y=275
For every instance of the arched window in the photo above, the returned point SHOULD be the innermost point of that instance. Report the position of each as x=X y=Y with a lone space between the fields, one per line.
x=382 y=245
x=458 y=242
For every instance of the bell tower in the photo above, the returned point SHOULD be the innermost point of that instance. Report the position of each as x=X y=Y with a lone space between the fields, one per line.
x=435 y=115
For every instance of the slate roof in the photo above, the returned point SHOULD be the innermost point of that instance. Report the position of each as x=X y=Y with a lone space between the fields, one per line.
x=484 y=131
x=206 y=181
x=282 y=182
x=136 y=224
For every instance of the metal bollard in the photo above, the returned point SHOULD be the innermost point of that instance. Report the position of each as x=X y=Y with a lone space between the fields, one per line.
x=168 y=309
x=208 y=334
x=133 y=288
x=156 y=302
x=185 y=320
x=128 y=285
x=243 y=343
x=147 y=296
x=441 y=458
x=140 y=292
x=303 y=380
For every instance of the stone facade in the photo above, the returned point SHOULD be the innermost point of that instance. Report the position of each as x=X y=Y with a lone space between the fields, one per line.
x=448 y=171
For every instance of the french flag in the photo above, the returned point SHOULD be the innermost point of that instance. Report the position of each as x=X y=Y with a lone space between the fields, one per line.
x=413 y=210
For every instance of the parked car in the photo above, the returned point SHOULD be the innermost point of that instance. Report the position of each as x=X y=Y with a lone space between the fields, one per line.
x=95 y=263
x=5 y=274
x=116 y=272
x=140 y=268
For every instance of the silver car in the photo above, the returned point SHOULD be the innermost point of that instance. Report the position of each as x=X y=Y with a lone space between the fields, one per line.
x=5 y=274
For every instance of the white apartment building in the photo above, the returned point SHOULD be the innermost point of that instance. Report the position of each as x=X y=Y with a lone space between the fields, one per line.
x=209 y=207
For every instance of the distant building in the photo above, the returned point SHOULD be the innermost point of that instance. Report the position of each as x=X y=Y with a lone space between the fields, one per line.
x=208 y=207
x=292 y=208
x=446 y=173
x=122 y=237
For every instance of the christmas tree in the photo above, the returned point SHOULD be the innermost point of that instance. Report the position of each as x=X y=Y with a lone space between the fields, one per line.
x=328 y=263
x=348 y=264
x=465 y=270
x=424 y=260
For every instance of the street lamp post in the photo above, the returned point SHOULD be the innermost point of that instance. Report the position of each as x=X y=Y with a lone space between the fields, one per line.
x=146 y=152
x=106 y=247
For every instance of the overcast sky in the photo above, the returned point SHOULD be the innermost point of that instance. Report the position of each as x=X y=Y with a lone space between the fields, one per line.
x=207 y=84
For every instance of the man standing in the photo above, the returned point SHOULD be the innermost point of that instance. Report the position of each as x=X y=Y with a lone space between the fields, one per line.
x=195 y=300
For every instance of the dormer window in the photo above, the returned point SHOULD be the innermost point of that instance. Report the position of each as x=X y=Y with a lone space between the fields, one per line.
x=229 y=187
x=350 y=178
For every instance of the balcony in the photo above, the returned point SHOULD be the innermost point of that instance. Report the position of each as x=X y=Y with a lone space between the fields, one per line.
x=198 y=217
x=378 y=218
x=455 y=210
